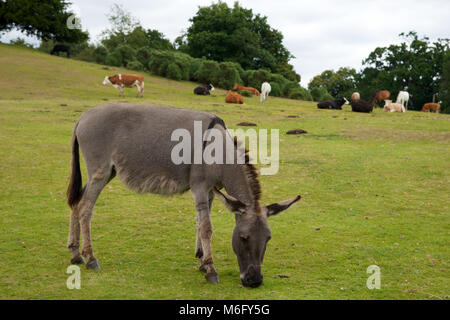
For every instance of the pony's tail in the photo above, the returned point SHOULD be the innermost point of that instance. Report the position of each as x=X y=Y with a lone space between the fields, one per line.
x=74 y=190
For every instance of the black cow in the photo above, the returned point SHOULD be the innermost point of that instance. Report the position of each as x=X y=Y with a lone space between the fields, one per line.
x=332 y=104
x=204 y=90
x=61 y=48
x=361 y=106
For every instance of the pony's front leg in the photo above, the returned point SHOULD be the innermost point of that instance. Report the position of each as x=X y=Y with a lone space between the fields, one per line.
x=204 y=235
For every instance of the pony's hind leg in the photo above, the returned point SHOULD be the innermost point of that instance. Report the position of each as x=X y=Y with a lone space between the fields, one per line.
x=74 y=237
x=92 y=190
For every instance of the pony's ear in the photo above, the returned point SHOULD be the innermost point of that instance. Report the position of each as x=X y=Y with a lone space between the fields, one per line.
x=276 y=208
x=232 y=204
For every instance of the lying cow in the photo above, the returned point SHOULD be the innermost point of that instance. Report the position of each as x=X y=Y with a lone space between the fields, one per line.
x=233 y=97
x=121 y=81
x=60 y=48
x=428 y=107
x=204 y=90
x=332 y=104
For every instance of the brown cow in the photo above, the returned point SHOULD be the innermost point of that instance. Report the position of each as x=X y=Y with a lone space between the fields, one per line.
x=427 y=107
x=240 y=88
x=120 y=81
x=233 y=97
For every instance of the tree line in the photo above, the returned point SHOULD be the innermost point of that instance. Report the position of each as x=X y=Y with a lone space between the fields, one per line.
x=224 y=45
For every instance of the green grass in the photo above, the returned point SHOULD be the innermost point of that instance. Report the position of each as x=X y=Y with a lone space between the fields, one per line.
x=375 y=190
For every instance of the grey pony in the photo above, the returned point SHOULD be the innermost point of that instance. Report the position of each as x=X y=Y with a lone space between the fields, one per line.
x=133 y=142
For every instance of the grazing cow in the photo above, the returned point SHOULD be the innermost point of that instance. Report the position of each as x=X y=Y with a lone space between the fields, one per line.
x=265 y=90
x=204 y=90
x=362 y=106
x=136 y=144
x=355 y=96
x=389 y=106
x=61 y=48
x=427 y=107
x=403 y=98
x=240 y=88
x=332 y=104
x=119 y=81
x=379 y=96
x=233 y=97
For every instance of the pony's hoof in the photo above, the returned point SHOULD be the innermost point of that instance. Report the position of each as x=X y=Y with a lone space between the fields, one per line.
x=93 y=265
x=77 y=260
x=212 y=277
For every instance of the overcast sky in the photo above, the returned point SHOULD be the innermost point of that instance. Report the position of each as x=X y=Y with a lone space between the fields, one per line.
x=321 y=34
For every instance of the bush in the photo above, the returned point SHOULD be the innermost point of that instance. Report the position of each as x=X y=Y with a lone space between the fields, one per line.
x=291 y=87
x=174 y=71
x=276 y=90
x=229 y=75
x=127 y=54
x=209 y=72
x=135 y=65
x=280 y=83
x=254 y=78
x=320 y=94
x=300 y=94
x=87 y=54
x=194 y=66
x=144 y=55
x=114 y=59
x=246 y=93
x=100 y=54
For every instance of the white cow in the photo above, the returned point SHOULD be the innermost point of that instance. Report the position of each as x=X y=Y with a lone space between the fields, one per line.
x=265 y=90
x=403 y=98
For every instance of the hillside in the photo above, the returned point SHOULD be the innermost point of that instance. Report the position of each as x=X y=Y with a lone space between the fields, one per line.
x=374 y=191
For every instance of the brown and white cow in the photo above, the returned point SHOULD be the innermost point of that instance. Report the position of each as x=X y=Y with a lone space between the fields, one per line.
x=121 y=81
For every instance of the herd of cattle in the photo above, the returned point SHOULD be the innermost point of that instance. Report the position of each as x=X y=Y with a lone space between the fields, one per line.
x=120 y=81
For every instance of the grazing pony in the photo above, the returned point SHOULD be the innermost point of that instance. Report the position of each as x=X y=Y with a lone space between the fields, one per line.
x=389 y=106
x=332 y=104
x=403 y=98
x=379 y=96
x=355 y=96
x=61 y=48
x=240 y=88
x=204 y=90
x=265 y=90
x=427 y=107
x=136 y=143
x=233 y=97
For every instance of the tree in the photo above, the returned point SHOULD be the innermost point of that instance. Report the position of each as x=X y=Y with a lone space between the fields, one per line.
x=221 y=33
x=339 y=84
x=45 y=19
x=127 y=30
x=444 y=93
x=415 y=64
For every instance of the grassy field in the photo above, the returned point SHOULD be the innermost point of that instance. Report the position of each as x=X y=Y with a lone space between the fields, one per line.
x=375 y=191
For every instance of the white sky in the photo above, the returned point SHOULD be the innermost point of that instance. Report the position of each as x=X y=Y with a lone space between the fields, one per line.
x=321 y=34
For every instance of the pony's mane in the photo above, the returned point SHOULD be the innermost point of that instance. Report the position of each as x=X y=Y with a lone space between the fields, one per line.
x=251 y=173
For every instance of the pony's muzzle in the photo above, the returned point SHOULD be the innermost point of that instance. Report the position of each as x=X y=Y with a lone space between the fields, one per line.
x=253 y=277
